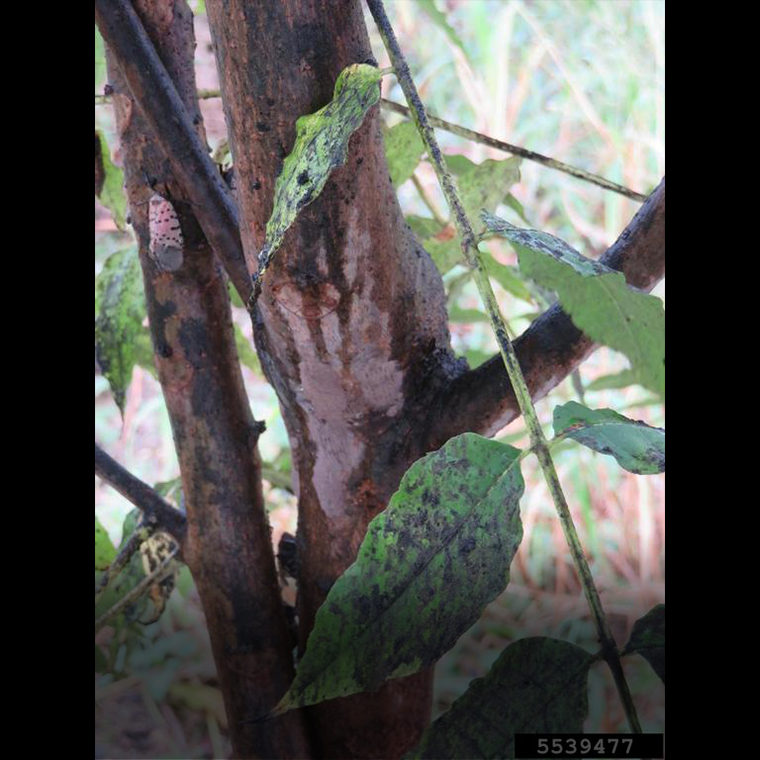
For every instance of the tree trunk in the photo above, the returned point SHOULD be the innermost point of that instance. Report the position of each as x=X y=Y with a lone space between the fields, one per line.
x=227 y=547
x=353 y=330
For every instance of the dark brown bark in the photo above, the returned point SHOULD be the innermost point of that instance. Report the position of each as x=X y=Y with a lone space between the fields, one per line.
x=353 y=331
x=154 y=82
x=482 y=400
x=157 y=512
x=227 y=546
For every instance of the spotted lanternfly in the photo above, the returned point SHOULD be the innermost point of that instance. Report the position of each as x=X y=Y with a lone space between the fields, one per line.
x=166 y=242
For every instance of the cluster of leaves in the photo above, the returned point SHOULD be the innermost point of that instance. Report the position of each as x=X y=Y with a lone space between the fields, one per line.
x=441 y=550
x=129 y=621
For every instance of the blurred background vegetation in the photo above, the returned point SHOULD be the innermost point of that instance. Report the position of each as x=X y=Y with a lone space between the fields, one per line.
x=579 y=80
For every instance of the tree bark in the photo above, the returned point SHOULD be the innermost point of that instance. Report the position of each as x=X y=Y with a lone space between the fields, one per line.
x=227 y=545
x=352 y=331
x=482 y=399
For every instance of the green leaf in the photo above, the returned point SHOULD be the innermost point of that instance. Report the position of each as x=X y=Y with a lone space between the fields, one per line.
x=427 y=568
x=458 y=164
x=445 y=253
x=169 y=489
x=468 y=316
x=121 y=310
x=648 y=639
x=321 y=145
x=144 y=351
x=487 y=185
x=538 y=685
x=235 y=298
x=148 y=607
x=620 y=380
x=638 y=447
x=112 y=195
x=423 y=227
x=506 y=276
x=516 y=206
x=246 y=354
x=440 y=242
x=597 y=298
x=104 y=549
x=403 y=149
x=440 y=20
x=100 y=62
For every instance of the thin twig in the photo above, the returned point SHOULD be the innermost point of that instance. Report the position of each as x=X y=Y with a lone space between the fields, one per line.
x=491 y=142
x=157 y=512
x=538 y=440
x=516 y=150
x=138 y=590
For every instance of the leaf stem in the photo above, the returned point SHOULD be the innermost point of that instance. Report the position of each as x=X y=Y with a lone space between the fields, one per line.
x=538 y=441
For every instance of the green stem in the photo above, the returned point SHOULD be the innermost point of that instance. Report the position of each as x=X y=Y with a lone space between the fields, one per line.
x=520 y=387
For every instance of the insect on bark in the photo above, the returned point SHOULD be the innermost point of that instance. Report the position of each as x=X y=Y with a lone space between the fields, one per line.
x=166 y=242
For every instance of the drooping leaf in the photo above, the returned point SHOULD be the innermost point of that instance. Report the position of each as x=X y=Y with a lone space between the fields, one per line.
x=610 y=382
x=441 y=21
x=486 y=185
x=121 y=309
x=538 y=685
x=104 y=549
x=403 y=149
x=321 y=145
x=428 y=566
x=648 y=639
x=638 y=447
x=112 y=189
x=597 y=298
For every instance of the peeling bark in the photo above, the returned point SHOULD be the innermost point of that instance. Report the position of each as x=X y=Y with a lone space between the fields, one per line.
x=227 y=545
x=352 y=330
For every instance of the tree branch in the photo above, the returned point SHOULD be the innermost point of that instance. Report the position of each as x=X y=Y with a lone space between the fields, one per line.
x=172 y=126
x=479 y=137
x=552 y=347
x=157 y=511
x=516 y=150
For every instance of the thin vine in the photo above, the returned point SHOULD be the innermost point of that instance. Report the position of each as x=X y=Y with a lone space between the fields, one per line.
x=469 y=245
